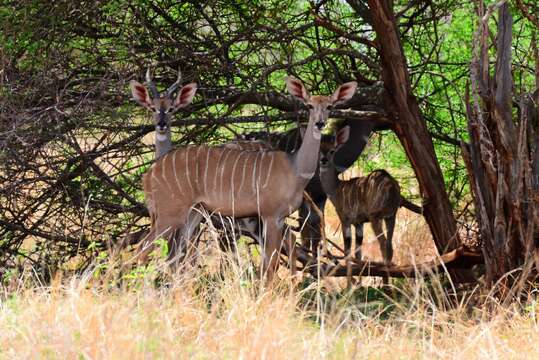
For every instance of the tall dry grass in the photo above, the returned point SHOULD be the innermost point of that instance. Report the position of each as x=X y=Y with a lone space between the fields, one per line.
x=214 y=311
x=199 y=314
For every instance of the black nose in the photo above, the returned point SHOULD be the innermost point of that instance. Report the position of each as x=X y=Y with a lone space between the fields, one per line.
x=323 y=161
x=320 y=125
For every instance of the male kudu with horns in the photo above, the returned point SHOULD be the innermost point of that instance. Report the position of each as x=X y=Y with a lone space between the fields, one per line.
x=162 y=106
x=150 y=98
x=238 y=183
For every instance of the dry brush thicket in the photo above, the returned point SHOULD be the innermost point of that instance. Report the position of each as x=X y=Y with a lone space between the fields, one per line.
x=74 y=147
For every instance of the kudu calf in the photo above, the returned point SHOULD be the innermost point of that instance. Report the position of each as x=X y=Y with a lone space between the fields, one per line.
x=372 y=198
x=238 y=183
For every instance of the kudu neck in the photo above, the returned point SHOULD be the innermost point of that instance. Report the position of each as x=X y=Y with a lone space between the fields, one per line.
x=330 y=181
x=163 y=144
x=305 y=160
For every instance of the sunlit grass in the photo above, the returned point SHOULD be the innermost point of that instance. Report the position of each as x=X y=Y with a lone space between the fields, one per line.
x=201 y=313
x=215 y=307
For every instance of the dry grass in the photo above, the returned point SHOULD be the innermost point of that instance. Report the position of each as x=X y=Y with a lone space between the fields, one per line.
x=204 y=316
x=121 y=314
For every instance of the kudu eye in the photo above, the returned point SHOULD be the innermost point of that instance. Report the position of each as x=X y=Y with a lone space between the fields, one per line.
x=310 y=106
x=330 y=107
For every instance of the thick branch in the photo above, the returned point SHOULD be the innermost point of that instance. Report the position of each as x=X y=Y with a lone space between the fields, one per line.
x=412 y=131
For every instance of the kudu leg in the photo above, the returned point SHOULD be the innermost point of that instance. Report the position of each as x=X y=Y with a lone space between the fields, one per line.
x=174 y=240
x=385 y=245
x=271 y=248
x=227 y=240
x=145 y=247
x=181 y=237
x=387 y=254
x=359 y=240
x=347 y=238
x=159 y=229
x=291 y=251
x=310 y=229
x=390 y=227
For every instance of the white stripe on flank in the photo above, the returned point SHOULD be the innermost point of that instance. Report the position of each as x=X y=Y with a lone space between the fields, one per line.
x=163 y=168
x=176 y=174
x=350 y=206
x=254 y=174
x=206 y=169
x=244 y=168
x=155 y=181
x=216 y=169
x=223 y=171
x=260 y=165
x=239 y=154
x=197 y=161
x=268 y=175
x=187 y=173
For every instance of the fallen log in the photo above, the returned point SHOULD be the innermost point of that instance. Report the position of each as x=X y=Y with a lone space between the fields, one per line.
x=460 y=258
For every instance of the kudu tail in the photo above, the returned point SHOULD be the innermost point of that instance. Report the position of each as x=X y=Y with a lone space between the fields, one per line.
x=411 y=206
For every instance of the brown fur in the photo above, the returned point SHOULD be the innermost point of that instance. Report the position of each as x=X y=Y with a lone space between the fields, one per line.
x=237 y=183
x=372 y=198
x=225 y=180
x=376 y=195
x=241 y=225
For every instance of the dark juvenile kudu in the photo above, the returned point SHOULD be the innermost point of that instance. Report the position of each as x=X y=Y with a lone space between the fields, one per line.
x=373 y=198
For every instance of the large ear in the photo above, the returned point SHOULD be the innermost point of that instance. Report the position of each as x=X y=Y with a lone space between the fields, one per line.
x=342 y=135
x=185 y=95
x=140 y=93
x=344 y=92
x=295 y=87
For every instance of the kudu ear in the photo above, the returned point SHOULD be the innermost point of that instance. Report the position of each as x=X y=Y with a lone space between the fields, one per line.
x=296 y=88
x=342 y=136
x=344 y=92
x=185 y=95
x=140 y=93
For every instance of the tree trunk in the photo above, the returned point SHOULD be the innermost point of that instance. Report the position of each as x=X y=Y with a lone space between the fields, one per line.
x=499 y=159
x=412 y=131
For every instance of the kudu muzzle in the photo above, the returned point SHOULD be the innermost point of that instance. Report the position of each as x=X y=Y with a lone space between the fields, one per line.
x=162 y=123
x=321 y=119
